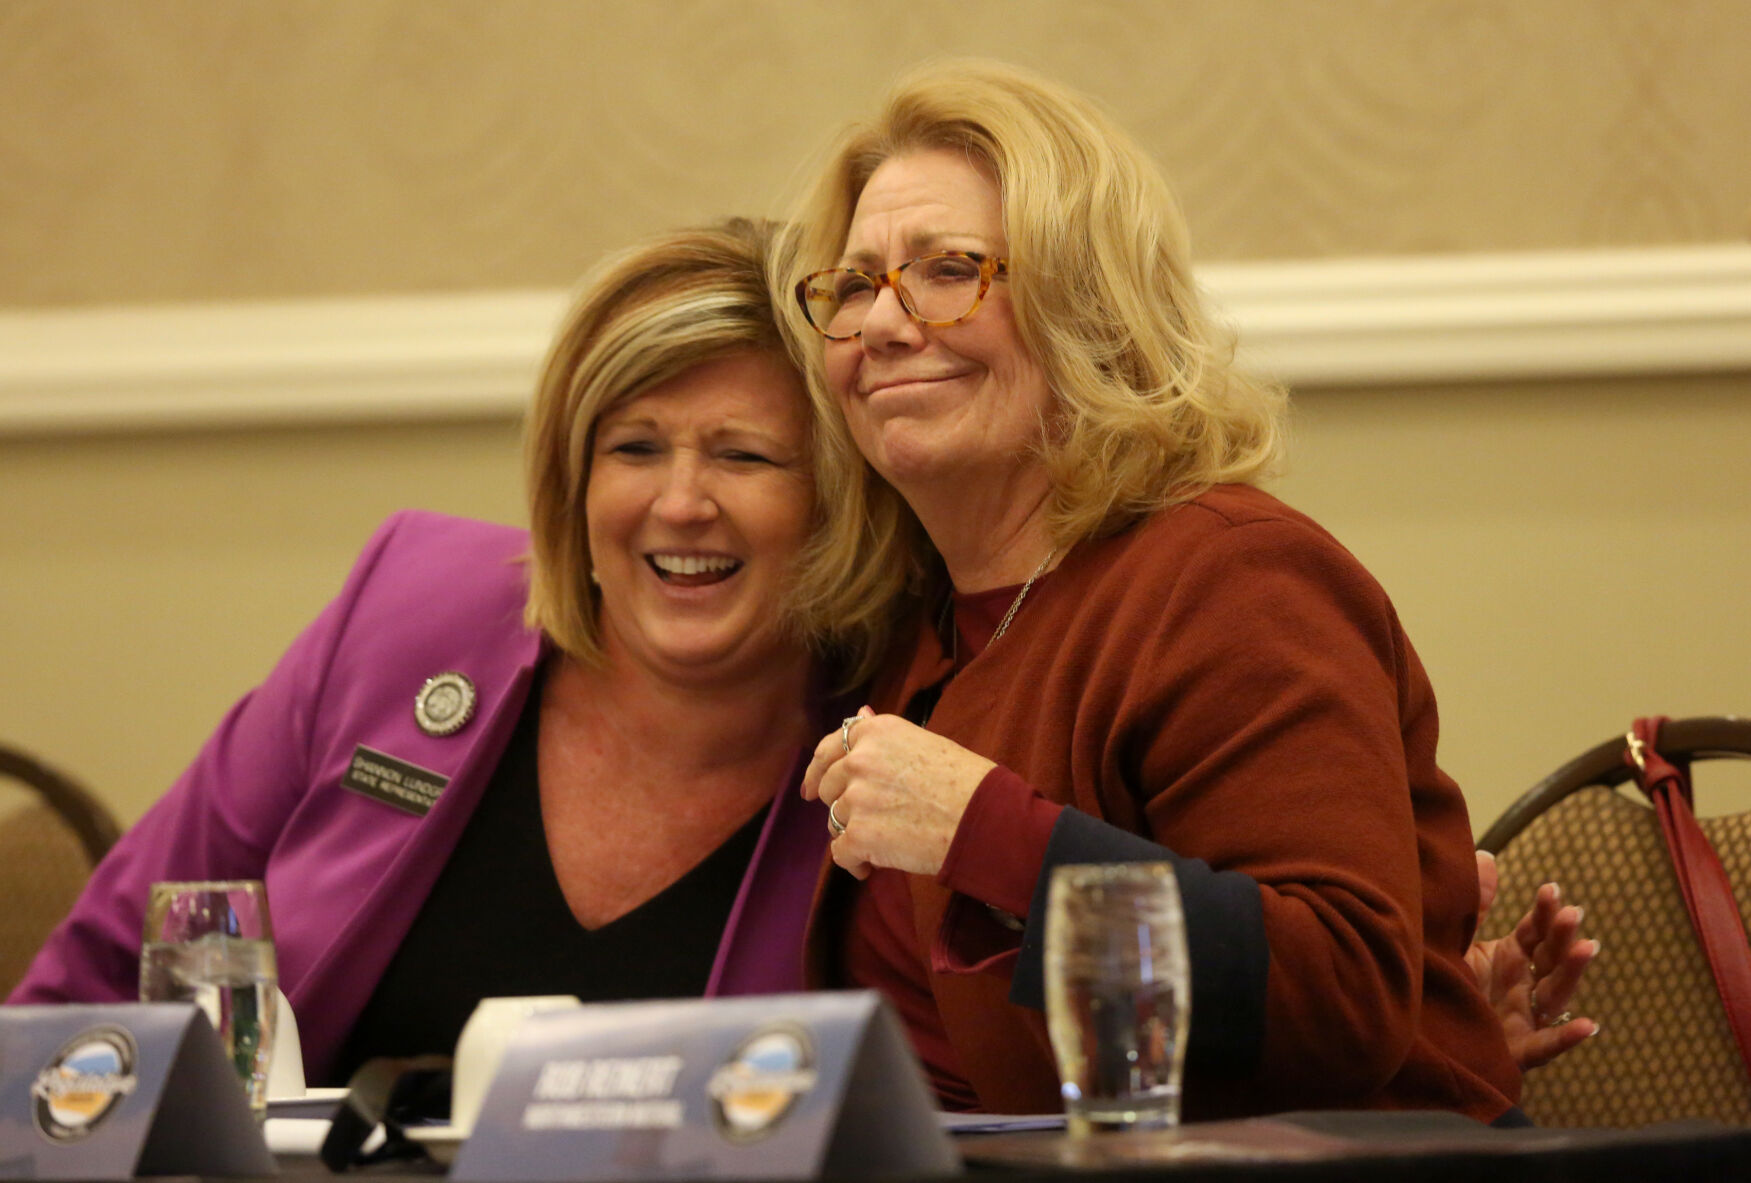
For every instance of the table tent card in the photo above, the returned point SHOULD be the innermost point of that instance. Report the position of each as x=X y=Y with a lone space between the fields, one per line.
x=111 y=1092
x=788 y=1086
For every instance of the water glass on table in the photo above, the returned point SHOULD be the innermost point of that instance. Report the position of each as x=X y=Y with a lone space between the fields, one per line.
x=1118 y=994
x=213 y=944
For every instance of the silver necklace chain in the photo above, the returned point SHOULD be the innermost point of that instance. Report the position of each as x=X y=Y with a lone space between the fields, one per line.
x=1022 y=595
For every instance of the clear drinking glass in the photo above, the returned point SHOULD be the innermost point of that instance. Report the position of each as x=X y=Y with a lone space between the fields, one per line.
x=1118 y=994
x=213 y=944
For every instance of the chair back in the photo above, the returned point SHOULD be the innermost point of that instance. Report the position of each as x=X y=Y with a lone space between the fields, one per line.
x=1664 y=1050
x=52 y=833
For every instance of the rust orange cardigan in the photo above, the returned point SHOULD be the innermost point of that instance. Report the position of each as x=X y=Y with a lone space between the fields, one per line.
x=1226 y=680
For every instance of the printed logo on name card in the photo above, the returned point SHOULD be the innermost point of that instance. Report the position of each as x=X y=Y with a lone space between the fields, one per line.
x=764 y=1077
x=82 y=1084
x=408 y=787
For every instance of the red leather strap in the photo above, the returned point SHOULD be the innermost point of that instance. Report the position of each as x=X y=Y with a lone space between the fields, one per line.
x=1708 y=894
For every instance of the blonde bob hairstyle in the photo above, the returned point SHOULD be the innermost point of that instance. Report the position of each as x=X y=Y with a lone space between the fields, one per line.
x=645 y=316
x=1150 y=409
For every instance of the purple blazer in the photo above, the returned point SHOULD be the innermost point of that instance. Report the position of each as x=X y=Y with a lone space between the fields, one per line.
x=345 y=873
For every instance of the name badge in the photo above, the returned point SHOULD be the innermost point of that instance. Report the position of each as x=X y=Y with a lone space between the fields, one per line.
x=110 y=1092
x=788 y=1086
x=408 y=787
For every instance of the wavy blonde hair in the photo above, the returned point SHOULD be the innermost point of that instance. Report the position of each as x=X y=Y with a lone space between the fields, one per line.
x=642 y=317
x=1150 y=407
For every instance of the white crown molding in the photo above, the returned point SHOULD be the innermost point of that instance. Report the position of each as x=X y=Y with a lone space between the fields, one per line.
x=278 y=363
x=1470 y=318
x=1349 y=322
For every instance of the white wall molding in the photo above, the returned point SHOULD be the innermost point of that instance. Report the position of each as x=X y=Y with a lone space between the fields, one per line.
x=272 y=363
x=1468 y=318
x=1355 y=322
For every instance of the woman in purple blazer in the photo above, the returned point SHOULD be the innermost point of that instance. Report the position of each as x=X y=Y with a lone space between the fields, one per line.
x=550 y=762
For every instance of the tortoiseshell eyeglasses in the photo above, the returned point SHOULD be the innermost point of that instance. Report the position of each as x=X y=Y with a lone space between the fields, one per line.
x=939 y=289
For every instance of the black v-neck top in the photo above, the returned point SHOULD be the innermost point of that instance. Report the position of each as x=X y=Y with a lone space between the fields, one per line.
x=497 y=924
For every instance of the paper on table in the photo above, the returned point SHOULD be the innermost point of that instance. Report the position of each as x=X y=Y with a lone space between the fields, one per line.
x=295 y=1135
x=311 y=1103
x=998 y=1123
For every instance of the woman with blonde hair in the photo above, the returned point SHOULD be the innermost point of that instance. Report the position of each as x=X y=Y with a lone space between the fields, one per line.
x=1128 y=650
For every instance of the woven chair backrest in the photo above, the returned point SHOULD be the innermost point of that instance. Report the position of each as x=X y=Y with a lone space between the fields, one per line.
x=43 y=868
x=53 y=831
x=1664 y=1050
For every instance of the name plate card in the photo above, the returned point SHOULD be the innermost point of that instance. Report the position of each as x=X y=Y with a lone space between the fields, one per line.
x=787 y=1086
x=110 y=1092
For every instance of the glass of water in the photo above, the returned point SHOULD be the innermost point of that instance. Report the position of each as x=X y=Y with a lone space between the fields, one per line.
x=1118 y=994
x=213 y=944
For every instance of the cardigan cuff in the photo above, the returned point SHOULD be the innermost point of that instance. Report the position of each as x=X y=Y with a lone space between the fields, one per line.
x=991 y=867
x=998 y=847
x=1225 y=941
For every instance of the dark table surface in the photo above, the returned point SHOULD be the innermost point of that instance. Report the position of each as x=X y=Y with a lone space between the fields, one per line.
x=1309 y=1147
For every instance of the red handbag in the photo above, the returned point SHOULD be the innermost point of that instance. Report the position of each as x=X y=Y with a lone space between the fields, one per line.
x=1708 y=893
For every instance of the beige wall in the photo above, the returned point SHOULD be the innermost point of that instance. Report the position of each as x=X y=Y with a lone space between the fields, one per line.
x=187 y=149
x=1564 y=556
x=1555 y=581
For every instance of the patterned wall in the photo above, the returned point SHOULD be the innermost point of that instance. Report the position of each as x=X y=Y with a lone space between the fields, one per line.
x=194 y=149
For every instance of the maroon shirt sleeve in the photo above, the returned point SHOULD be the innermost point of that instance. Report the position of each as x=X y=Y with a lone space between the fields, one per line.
x=995 y=858
x=1000 y=846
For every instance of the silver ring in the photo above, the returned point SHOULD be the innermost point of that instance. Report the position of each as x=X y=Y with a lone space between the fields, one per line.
x=1565 y=1017
x=835 y=827
x=845 y=732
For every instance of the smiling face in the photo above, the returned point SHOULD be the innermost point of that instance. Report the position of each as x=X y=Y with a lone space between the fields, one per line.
x=700 y=500
x=925 y=404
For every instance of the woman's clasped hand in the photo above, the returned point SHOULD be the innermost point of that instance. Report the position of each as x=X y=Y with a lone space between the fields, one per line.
x=898 y=790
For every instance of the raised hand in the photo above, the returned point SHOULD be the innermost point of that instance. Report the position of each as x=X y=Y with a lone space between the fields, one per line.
x=1530 y=975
